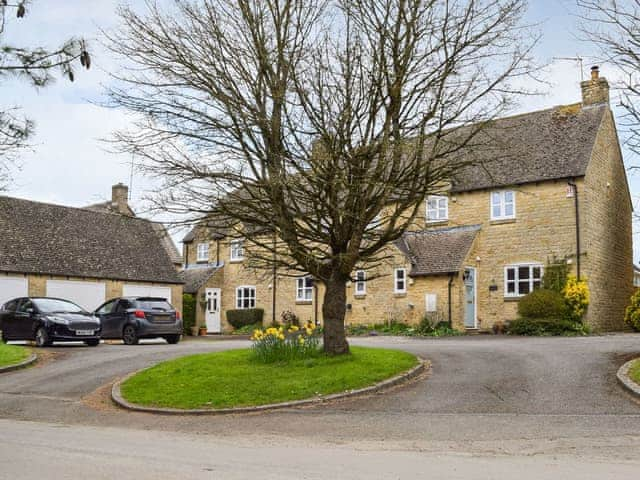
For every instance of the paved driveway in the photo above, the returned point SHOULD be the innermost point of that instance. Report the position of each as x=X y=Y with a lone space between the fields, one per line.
x=484 y=394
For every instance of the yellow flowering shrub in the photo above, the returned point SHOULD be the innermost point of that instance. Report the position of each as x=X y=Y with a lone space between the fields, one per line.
x=281 y=344
x=632 y=314
x=576 y=296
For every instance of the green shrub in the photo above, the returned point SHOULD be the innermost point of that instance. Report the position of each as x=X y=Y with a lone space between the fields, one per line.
x=543 y=303
x=546 y=326
x=632 y=314
x=245 y=316
x=188 y=313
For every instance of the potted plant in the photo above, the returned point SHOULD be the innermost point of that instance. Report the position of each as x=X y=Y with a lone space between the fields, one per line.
x=203 y=330
x=195 y=330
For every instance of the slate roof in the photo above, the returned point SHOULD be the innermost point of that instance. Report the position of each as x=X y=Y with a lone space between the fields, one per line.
x=163 y=234
x=548 y=144
x=51 y=239
x=436 y=252
x=196 y=277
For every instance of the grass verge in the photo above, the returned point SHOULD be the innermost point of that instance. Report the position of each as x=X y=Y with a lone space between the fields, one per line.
x=12 y=354
x=233 y=379
x=634 y=371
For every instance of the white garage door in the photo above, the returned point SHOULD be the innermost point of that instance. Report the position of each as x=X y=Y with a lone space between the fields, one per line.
x=146 y=291
x=12 y=287
x=89 y=295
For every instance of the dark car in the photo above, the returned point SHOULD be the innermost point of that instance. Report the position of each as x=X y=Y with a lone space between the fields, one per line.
x=133 y=318
x=47 y=320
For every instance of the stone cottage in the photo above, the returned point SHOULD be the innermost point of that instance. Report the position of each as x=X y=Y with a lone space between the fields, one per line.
x=555 y=188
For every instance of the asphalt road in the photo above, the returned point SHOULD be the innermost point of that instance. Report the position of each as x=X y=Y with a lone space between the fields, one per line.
x=509 y=401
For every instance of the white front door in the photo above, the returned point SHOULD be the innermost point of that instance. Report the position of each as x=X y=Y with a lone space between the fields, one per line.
x=470 y=297
x=212 y=310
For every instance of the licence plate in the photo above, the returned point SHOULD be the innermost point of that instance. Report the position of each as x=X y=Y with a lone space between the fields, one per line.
x=84 y=332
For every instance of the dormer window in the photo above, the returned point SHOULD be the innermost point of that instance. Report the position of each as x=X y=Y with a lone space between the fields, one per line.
x=503 y=204
x=437 y=208
x=237 y=251
x=202 y=252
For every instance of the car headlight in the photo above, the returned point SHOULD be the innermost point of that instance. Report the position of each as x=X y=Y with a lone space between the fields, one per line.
x=62 y=321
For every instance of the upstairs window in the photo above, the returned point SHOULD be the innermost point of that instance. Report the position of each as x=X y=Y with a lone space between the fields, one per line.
x=503 y=204
x=361 y=282
x=437 y=208
x=400 y=280
x=304 y=289
x=237 y=250
x=202 y=252
x=246 y=297
x=521 y=279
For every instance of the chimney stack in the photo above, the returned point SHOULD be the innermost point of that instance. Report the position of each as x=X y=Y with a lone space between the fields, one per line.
x=120 y=198
x=596 y=90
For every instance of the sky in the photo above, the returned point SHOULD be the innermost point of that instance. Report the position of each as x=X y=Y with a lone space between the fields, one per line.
x=70 y=165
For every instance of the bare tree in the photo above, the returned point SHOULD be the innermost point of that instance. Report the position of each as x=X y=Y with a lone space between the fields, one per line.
x=313 y=128
x=614 y=26
x=36 y=66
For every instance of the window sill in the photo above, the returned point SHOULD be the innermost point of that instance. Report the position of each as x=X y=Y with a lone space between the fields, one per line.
x=437 y=223
x=399 y=294
x=236 y=260
x=359 y=296
x=513 y=299
x=502 y=221
x=304 y=302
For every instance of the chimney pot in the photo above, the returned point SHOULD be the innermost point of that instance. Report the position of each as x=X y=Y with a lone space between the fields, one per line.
x=120 y=197
x=596 y=90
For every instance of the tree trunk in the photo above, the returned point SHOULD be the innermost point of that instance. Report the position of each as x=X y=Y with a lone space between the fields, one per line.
x=333 y=311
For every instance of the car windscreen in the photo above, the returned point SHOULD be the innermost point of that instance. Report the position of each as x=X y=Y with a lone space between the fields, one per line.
x=150 y=304
x=53 y=305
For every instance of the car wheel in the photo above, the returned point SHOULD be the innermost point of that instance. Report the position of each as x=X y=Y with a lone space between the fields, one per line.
x=172 y=339
x=42 y=338
x=5 y=339
x=129 y=335
x=93 y=343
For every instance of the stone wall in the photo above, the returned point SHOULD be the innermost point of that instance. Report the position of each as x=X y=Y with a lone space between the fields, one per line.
x=607 y=232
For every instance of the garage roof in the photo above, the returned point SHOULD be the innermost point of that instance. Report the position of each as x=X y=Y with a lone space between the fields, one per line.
x=51 y=239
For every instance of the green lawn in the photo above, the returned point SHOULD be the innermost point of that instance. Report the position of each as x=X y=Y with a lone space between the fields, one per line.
x=10 y=354
x=634 y=371
x=233 y=379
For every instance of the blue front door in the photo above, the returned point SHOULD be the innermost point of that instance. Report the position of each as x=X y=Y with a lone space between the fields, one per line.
x=470 y=297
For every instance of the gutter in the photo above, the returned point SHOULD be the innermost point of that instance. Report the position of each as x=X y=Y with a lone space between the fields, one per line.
x=449 y=301
x=573 y=185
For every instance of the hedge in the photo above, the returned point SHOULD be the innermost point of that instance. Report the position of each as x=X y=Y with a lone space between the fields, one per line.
x=246 y=316
x=188 y=313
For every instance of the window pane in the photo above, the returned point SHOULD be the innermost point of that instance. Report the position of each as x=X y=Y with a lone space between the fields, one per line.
x=523 y=288
x=508 y=196
x=511 y=287
x=399 y=274
x=508 y=210
x=536 y=272
x=495 y=211
x=523 y=273
x=495 y=198
x=536 y=284
x=511 y=273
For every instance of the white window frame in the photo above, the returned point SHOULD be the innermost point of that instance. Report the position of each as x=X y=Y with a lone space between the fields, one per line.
x=502 y=204
x=433 y=214
x=236 y=250
x=360 y=283
x=240 y=297
x=304 y=291
x=516 y=278
x=199 y=250
x=396 y=280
